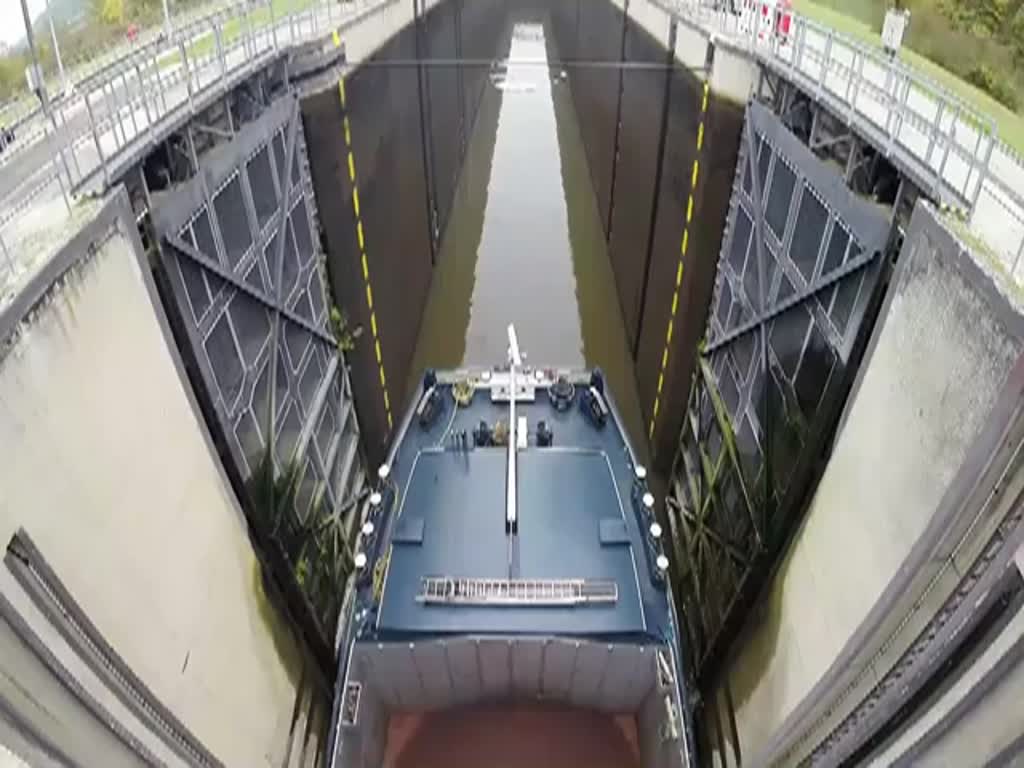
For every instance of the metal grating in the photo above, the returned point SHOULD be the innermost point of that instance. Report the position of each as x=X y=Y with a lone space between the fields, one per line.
x=243 y=268
x=442 y=590
x=800 y=264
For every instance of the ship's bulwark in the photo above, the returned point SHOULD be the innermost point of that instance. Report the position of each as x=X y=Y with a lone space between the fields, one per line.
x=513 y=737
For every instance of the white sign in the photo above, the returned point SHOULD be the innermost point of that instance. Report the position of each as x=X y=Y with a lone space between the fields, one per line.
x=894 y=28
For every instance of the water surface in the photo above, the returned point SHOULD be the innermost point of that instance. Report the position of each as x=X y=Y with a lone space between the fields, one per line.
x=524 y=243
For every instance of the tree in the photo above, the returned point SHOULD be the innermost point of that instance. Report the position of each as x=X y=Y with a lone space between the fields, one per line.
x=109 y=12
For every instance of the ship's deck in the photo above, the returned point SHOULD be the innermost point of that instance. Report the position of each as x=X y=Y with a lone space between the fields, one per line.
x=576 y=521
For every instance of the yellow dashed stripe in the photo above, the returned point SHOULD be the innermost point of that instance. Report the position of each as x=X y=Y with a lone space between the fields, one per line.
x=356 y=209
x=684 y=246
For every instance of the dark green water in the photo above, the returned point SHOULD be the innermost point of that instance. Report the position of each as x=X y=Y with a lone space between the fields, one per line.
x=524 y=243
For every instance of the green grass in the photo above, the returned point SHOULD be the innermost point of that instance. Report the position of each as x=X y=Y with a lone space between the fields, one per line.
x=1009 y=124
x=234 y=28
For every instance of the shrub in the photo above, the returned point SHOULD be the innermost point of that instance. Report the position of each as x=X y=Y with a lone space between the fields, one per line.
x=970 y=54
x=997 y=86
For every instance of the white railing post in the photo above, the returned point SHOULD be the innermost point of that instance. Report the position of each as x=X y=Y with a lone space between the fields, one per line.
x=825 y=64
x=96 y=139
x=188 y=75
x=1020 y=254
x=941 y=175
x=940 y=112
x=985 y=170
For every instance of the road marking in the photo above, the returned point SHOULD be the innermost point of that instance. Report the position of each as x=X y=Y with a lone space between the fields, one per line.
x=684 y=246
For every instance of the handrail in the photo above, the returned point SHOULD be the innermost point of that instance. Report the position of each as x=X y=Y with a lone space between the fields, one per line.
x=950 y=142
x=958 y=146
x=128 y=100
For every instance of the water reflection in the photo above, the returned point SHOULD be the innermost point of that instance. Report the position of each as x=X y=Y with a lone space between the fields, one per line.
x=524 y=269
x=524 y=243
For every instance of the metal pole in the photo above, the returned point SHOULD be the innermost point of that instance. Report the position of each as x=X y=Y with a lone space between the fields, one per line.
x=986 y=170
x=74 y=156
x=56 y=51
x=130 y=102
x=96 y=139
x=7 y=254
x=1020 y=253
x=145 y=98
x=43 y=98
x=273 y=26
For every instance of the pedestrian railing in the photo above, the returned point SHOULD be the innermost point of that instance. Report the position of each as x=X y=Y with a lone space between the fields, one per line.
x=124 y=98
x=952 y=147
x=129 y=98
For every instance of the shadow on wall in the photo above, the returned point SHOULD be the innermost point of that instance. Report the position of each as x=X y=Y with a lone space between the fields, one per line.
x=409 y=128
x=513 y=737
x=642 y=179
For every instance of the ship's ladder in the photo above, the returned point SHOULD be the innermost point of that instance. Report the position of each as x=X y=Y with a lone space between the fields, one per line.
x=445 y=590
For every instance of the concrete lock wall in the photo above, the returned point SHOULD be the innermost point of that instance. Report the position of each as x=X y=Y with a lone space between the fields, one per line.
x=644 y=187
x=855 y=574
x=108 y=467
x=407 y=132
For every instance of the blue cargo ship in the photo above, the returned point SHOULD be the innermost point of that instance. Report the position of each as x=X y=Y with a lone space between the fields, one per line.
x=510 y=567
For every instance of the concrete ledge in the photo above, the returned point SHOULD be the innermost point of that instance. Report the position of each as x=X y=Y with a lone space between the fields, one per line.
x=112 y=472
x=923 y=471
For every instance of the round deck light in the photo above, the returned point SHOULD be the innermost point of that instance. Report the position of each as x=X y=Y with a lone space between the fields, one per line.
x=648 y=501
x=662 y=563
x=375 y=499
x=384 y=472
x=360 y=560
x=367 y=528
x=655 y=531
x=640 y=472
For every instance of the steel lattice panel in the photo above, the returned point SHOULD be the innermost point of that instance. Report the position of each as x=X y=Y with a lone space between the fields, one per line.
x=241 y=258
x=781 y=335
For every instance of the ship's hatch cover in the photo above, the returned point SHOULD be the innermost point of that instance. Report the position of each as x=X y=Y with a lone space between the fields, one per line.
x=564 y=499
